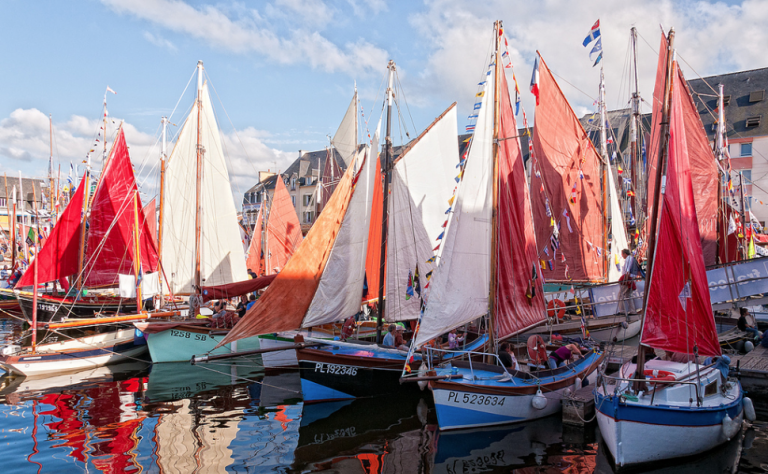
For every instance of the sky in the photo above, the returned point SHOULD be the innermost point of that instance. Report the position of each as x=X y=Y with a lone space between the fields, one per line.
x=283 y=71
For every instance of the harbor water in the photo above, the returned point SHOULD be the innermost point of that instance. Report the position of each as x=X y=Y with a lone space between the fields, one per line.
x=235 y=417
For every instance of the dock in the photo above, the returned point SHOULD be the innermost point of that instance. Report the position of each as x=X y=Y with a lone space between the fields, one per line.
x=579 y=407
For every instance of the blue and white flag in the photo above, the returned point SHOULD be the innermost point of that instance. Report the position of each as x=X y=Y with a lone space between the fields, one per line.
x=598 y=48
x=594 y=33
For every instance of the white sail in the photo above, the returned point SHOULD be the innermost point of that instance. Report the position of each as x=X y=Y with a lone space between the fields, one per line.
x=619 y=235
x=345 y=140
x=422 y=183
x=223 y=258
x=341 y=286
x=459 y=287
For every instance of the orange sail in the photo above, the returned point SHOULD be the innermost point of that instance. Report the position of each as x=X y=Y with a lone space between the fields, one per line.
x=253 y=261
x=287 y=300
x=283 y=229
x=373 y=255
x=565 y=182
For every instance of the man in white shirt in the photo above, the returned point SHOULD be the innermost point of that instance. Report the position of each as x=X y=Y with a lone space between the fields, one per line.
x=630 y=271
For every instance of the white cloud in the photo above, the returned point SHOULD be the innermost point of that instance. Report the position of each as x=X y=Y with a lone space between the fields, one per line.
x=711 y=38
x=159 y=41
x=313 y=12
x=376 y=6
x=24 y=145
x=241 y=30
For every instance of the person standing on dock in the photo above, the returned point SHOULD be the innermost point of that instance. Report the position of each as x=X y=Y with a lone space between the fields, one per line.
x=630 y=271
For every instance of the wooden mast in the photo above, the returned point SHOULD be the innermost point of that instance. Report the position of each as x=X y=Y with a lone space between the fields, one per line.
x=634 y=141
x=137 y=253
x=605 y=165
x=163 y=158
x=50 y=167
x=8 y=216
x=34 y=273
x=385 y=198
x=497 y=30
x=720 y=155
x=199 y=177
x=655 y=210
x=13 y=230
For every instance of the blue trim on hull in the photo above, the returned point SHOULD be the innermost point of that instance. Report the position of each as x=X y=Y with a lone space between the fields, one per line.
x=454 y=417
x=315 y=393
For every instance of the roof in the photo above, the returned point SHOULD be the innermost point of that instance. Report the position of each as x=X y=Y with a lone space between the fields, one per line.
x=28 y=184
x=739 y=86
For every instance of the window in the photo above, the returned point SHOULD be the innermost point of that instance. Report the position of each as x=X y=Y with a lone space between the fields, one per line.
x=726 y=100
x=293 y=200
x=307 y=199
x=258 y=198
x=746 y=149
x=309 y=217
x=293 y=184
x=2 y=202
x=756 y=96
x=752 y=122
x=747 y=175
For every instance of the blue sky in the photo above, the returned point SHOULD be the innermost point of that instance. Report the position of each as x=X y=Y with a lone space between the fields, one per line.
x=284 y=69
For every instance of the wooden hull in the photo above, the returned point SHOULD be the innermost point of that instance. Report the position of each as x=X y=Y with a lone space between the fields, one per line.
x=57 y=309
x=182 y=342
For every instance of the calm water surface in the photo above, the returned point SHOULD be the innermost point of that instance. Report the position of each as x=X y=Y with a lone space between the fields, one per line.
x=177 y=418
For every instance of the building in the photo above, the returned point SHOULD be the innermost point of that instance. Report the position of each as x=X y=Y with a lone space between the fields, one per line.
x=301 y=178
x=32 y=189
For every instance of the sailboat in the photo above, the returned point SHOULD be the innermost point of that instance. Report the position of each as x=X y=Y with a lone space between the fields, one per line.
x=661 y=409
x=489 y=266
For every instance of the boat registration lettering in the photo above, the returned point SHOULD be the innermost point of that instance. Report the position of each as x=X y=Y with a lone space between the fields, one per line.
x=334 y=369
x=187 y=335
x=475 y=399
x=47 y=307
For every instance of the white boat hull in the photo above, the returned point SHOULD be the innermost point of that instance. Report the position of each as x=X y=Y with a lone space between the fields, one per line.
x=278 y=359
x=621 y=334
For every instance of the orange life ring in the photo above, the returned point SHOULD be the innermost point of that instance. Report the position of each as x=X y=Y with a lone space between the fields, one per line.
x=662 y=375
x=556 y=306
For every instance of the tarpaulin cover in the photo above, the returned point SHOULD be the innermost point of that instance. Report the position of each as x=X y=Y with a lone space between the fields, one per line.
x=373 y=255
x=564 y=154
x=516 y=261
x=284 y=304
x=283 y=229
x=679 y=313
x=238 y=288
x=111 y=245
x=58 y=257
x=253 y=260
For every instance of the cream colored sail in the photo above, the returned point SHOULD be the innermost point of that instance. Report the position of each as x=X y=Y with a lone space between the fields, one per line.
x=459 y=287
x=422 y=183
x=223 y=259
x=619 y=235
x=345 y=140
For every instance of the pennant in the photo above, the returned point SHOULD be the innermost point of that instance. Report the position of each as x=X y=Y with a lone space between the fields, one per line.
x=567 y=219
x=416 y=282
x=567 y=273
x=546 y=251
x=450 y=201
x=429 y=275
x=409 y=288
x=731 y=225
x=574 y=194
x=445 y=223
x=599 y=251
x=562 y=257
x=543 y=265
x=597 y=49
x=599 y=58
x=584 y=330
x=449 y=210
x=436 y=248
x=549 y=265
x=609 y=140
x=431 y=260
x=535 y=80
x=517 y=94
x=594 y=33
x=440 y=237
x=480 y=94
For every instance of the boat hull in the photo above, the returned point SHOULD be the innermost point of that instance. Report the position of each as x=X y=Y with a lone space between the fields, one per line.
x=74 y=355
x=182 y=342
x=55 y=309
x=278 y=359
x=465 y=403
x=617 y=332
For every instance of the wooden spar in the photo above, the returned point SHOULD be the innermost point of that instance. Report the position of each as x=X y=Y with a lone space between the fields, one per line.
x=385 y=200
x=113 y=319
x=497 y=32
x=13 y=230
x=663 y=146
x=721 y=207
x=745 y=245
x=164 y=121
x=605 y=166
x=634 y=142
x=11 y=223
x=198 y=182
x=23 y=217
x=34 y=272
x=137 y=253
x=300 y=345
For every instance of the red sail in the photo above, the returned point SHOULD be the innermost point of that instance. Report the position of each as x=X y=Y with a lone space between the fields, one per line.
x=253 y=261
x=658 y=99
x=283 y=229
x=331 y=176
x=58 y=257
x=150 y=215
x=674 y=322
x=704 y=175
x=111 y=245
x=238 y=288
x=569 y=174
x=285 y=303
x=519 y=296
x=373 y=255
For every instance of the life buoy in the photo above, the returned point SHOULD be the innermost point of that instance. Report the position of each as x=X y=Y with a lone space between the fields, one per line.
x=661 y=375
x=556 y=306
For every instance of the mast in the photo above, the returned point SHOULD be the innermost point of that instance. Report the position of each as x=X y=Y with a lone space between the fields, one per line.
x=634 y=126
x=385 y=199
x=606 y=164
x=8 y=210
x=720 y=156
x=13 y=231
x=655 y=210
x=81 y=256
x=199 y=175
x=137 y=254
x=163 y=157
x=495 y=185
x=743 y=205
x=34 y=284
x=50 y=166
x=23 y=209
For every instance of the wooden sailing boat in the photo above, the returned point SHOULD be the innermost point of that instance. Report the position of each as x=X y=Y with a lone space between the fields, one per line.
x=491 y=230
x=661 y=409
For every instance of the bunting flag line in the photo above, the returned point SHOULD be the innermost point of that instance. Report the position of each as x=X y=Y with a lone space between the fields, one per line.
x=567 y=220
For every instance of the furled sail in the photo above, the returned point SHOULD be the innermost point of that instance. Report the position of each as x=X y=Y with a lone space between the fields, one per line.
x=254 y=261
x=569 y=226
x=345 y=140
x=286 y=301
x=283 y=229
x=373 y=255
x=111 y=246
x=459 y=288
x=422 y=183
x=58 y=257
x=519 y=293
x=223 y=258
x=618 y=232
x=679 y=316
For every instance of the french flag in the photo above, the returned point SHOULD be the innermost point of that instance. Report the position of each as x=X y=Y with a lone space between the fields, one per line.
x=535 y=80
x=594 y=33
